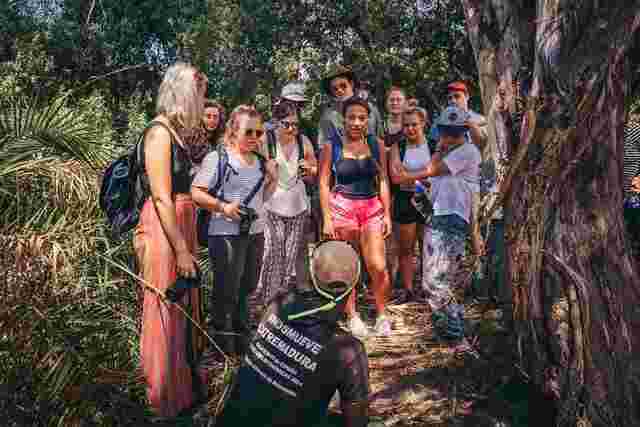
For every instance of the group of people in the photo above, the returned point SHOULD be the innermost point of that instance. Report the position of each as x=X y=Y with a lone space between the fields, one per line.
x=291 y=218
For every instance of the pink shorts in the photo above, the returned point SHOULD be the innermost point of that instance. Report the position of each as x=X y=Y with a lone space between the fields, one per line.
x=359 y=215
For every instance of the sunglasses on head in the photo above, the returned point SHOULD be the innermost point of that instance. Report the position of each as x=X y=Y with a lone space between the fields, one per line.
x=286 y=124
x=253 y=132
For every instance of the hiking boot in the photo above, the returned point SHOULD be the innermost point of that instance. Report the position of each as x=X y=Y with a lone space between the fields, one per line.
x=357 y=326
x=383 y=326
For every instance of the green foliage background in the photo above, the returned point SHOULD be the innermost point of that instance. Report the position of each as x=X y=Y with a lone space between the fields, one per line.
x=77 y=85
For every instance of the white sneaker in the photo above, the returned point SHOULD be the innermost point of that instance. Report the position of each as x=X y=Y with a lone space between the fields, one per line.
x=383 y=326
x=357 y=326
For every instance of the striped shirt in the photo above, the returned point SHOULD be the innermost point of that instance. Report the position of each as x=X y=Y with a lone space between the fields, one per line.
x=238 y=183
x=631 y=165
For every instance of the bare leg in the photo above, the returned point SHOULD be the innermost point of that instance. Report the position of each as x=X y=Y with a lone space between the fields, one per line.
x=406 y=250
x=373 y=250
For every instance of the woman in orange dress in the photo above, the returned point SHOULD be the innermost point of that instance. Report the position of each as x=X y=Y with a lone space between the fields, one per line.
x=165 y=243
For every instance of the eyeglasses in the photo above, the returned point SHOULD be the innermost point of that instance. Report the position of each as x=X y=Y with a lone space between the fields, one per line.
x=286 y=124
x=251 y=132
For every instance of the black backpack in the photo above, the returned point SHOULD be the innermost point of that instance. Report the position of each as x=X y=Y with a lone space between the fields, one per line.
x=124 y=190
x=216 y=190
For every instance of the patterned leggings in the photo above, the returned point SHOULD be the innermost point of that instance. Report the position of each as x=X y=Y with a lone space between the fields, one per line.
x=444 y=243
x=283 y=241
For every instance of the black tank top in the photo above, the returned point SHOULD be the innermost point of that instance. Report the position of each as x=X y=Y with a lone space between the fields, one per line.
x=356 y=178
x=180 y=165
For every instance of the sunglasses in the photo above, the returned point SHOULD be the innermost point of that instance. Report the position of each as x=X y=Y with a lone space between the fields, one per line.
x=253 y=132
x=286 y=125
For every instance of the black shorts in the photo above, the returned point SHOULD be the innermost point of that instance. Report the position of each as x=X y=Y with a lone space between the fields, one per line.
x=403 y=210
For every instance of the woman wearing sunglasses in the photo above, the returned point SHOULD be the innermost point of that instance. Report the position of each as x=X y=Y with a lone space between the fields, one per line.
x=235 y=231
x=287 y=208
x=454 y=174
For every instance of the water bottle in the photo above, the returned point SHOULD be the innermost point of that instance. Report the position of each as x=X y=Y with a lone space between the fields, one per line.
x=420 y=188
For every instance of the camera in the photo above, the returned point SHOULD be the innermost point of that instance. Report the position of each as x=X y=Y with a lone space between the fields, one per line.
x=247 y=217
x=176 y=291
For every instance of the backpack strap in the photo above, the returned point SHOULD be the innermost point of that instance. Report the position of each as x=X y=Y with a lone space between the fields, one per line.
x=256 y=188
x=402 y=148
x=223 y=163
x=372 y=141
x=300 y=146
x=136 y=162
x=271 y=143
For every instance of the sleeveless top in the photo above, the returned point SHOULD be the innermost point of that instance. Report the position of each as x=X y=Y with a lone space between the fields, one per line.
x=289 y=199
x=356 y=178
x=180 y=167
x=416 y=158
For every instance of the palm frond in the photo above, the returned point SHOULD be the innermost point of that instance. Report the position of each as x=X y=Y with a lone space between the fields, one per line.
x=31 y=130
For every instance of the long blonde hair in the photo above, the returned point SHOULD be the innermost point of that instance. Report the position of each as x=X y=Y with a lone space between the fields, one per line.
x=181 y=94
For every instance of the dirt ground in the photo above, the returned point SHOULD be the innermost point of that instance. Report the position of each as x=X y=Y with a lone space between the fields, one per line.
x=416 y=380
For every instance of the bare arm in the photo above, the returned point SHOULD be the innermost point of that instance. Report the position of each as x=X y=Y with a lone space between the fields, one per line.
x=435 y=167
x=310 y=161
x=157 y=157
x=324 y=182
x=385 y=192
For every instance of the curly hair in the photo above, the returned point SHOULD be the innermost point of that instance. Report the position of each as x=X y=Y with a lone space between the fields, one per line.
x=355 y=100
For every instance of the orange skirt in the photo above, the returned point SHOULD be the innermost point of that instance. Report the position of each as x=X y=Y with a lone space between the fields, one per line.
x=170 y=344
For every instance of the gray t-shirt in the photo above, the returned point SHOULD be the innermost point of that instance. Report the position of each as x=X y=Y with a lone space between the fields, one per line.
x=237 y=184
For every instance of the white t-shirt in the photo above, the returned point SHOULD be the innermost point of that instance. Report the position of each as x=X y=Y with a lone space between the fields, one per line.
x=416 y=158
x=238 y=183
x=452 y=194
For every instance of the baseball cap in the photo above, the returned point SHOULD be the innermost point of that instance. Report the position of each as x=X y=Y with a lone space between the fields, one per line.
x=335 y=270
x=294 y=91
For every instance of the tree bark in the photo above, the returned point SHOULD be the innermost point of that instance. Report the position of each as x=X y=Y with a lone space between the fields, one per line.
x=575 y=288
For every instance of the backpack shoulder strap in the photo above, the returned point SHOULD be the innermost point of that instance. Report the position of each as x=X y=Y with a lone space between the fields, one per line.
x=402 y=147
x=223 y=162
x=271 y=143
x=256 y=188
x=374 y=147
x=300 y=146
x=336 y=150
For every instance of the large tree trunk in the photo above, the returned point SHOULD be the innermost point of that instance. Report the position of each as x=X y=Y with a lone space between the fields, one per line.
x=575 y=292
